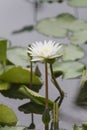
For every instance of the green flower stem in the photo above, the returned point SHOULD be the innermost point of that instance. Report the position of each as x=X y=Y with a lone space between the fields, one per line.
x=46 y=127
x=31 y=70
x=46 y=85
x=57 y=85
x=55 y=116
x=31 y=74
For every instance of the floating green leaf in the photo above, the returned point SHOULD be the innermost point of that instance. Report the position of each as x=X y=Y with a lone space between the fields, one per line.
x=12 y=128
x=67 y=17
x=65 y=20
x=77 y=3
x=56 y=27
x=5 y=119
x=35 y=97
x=50 y=27
x=78 y=25
x=19 y=75
x=69 y=69
x=71 y=52
x=79 y=37
x=13 y=91
x=18 y=56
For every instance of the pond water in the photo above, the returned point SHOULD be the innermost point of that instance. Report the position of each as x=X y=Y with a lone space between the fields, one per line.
x=15 y=14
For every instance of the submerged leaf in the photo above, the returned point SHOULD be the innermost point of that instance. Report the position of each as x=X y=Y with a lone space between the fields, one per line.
x=32 y=107
x=5 y=119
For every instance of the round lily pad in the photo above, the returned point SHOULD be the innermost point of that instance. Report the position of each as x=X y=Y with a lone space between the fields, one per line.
x=17 y=74
x=12 y=128
x=50 y=27
x=78 y=3
x=72 y=52
x=55 y=27
x=18 y=56
x=66 y=17
x=7 y=116
x=69 y=69
x=79 y=37
x=78 y=25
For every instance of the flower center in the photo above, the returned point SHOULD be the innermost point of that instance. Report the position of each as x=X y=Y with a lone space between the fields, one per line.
x=45 y=50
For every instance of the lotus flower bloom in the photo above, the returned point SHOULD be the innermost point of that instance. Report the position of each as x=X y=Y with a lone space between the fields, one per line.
x=44 y=51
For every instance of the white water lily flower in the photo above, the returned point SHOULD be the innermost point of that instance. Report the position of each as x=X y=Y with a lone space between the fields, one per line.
x=44 y=51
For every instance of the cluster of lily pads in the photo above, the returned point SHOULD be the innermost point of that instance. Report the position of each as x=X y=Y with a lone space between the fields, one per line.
x=15 y=69
x=15 y=78
x=73 y=3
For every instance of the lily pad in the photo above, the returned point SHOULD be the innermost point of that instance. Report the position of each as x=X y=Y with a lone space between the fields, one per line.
x=65 y=20
x=72 y=52
x=19 y=75
x=5 y=119
x=13 y=91
x=12 y=128
x=18 y=56
x=77 y=3
x=79 y=37
x=69 y=69
x=50 y=27
x=57 y=26
x=35 y=97
x=78 y=25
